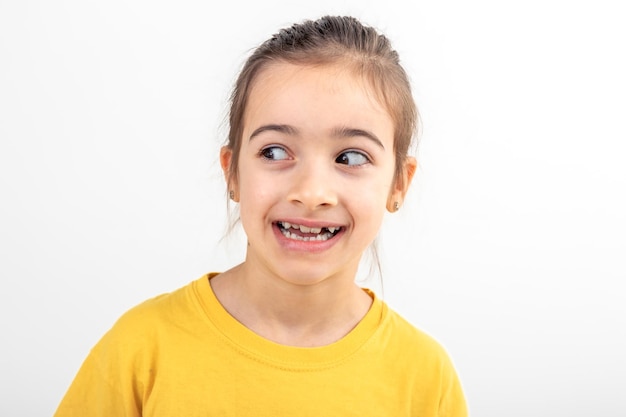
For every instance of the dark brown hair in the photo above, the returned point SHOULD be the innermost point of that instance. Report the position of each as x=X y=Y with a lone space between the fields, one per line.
x=330 y=40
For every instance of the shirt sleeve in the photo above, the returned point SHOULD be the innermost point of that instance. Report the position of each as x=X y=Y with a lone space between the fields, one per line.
x=453 y=402
x=94 y=393
x=115 y=377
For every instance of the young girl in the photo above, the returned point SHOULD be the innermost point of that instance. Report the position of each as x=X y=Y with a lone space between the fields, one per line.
x=321 y=120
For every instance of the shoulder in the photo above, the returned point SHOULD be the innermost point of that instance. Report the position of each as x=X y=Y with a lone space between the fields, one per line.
x=424 y=363
x=412 y=348
x=121 y=366
x=412 y=338
x=150 y=319
x=150 y=310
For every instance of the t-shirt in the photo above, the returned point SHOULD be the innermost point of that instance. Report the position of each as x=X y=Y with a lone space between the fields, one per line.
x=182 y=354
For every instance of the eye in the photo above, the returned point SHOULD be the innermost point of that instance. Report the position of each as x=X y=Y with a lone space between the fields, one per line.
x=353 y=158
x=274 y=153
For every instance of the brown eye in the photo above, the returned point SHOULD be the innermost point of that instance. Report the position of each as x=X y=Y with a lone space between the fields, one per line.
x=352 y=158
x=274 y=153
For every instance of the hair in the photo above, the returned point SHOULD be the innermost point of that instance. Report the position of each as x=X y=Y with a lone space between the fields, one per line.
x=332 y=40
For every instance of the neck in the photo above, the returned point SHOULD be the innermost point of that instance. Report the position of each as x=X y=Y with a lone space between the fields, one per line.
x=316 y=314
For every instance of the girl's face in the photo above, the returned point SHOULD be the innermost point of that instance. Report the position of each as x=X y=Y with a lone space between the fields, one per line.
x=316 y=172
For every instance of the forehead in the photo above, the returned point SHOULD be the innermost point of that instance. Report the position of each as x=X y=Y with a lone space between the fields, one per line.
x=314 y=95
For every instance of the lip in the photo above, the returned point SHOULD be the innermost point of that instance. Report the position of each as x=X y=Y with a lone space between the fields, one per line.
x=311 y=246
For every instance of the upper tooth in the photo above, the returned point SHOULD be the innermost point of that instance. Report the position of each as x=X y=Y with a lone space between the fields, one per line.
x=332 y=229
x=305 y=229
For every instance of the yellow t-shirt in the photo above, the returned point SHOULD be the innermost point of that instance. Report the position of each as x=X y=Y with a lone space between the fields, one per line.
x=182 y=355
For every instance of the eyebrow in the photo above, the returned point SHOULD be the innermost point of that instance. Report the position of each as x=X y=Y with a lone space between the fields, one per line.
x=348 y=132
x=338 y=132
x=289 y=130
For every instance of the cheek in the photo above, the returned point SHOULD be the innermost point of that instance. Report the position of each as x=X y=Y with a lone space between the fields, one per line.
x=249 y=179
x=370 y=201
x=254 y=188
x=256 y=194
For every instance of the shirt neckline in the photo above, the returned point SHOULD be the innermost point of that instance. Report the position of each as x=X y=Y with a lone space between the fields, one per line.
x=259 y=348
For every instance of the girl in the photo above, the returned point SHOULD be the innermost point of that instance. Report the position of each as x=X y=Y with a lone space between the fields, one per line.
x=321 y=120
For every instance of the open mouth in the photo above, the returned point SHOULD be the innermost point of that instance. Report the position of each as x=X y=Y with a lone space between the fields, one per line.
x=306 y=234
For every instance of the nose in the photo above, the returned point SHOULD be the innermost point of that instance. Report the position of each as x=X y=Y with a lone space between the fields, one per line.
x=313 y=186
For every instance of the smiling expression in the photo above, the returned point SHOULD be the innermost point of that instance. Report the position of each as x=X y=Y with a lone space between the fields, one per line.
x=316 y=172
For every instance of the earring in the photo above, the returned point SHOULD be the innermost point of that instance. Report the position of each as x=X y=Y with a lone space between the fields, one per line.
x=231 y=194
x=396 y=206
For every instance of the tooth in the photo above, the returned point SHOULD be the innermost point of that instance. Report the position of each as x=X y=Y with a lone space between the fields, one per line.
x=320 y=237
x=316 y=230
x=305 y=229
x=295 y=226
x=286 y=225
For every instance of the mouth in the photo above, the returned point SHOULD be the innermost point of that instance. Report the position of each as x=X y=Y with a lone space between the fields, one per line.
x=307 y=234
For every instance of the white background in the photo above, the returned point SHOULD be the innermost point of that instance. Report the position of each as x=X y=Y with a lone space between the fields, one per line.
x=510 y=249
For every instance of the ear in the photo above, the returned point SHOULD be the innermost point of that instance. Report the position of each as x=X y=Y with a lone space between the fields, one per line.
x=401 y=184
x=226 y=159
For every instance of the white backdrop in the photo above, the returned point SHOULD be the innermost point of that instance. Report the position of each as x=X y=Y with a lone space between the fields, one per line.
x=510 y=249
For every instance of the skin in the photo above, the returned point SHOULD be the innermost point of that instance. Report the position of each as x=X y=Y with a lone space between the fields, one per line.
x=317 y=150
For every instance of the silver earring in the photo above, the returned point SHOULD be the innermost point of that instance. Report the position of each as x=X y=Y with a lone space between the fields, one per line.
x=396 y=206
x=231 y=194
